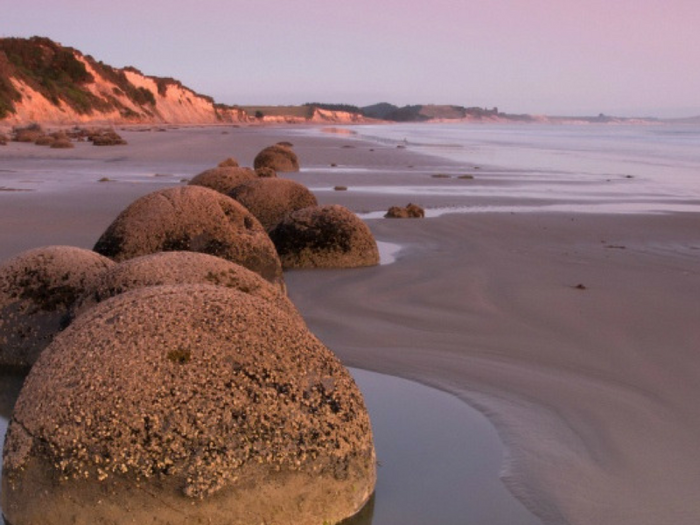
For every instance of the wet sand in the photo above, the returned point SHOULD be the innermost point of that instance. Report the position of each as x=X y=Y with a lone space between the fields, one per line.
x=593 y=388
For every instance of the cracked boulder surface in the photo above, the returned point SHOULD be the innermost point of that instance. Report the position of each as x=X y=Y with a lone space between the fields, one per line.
x=37 y=288
x=171 y=268
x=196 y=219
x=223 y=178
x=324 y=237
x=279 y=157
x=187 y=404
x=271 y=199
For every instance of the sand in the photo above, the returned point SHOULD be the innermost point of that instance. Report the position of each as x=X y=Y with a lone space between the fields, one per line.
x=593 y=388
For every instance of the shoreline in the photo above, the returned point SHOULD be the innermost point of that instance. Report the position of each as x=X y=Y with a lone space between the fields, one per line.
x=578 y=382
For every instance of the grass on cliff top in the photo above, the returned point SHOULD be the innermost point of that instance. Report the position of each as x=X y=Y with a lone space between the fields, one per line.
x=56 y=73
x=279 y=111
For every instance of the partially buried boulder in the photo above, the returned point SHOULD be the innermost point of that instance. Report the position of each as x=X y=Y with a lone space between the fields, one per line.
x=278 y=157
x=223 y=179
x=37 y=288
x=192 y=218
x=187 y=404
x=271 y=199
x=171 y=268
x=324 y=237
x=228 y=163
x=411 y=211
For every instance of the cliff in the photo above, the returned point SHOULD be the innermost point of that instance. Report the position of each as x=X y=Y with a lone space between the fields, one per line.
x=43 y=81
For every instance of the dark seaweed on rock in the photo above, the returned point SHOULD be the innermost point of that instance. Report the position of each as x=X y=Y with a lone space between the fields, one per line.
x=37 y=289
x=324 y=237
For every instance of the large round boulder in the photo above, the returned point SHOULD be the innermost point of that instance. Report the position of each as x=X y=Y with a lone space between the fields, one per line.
x=172 y=268
x=223 y=179
x=324 y=237
x=187 y=404
x=191 y=218
x=278 y=157
x=271 y=199
x=37 y=288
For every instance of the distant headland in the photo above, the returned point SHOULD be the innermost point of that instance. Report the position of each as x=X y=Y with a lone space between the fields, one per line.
x=42 y=81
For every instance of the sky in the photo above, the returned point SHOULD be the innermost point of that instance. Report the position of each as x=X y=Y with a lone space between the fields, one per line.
x=555 y=57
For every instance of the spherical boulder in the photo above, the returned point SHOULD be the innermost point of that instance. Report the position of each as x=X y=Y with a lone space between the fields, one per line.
x=172 y=268
x=271 y=199
x=187 y=404
x=223 y=179
x=324 y=237
x=278 y=157
x=191 y=218
x=37 y=288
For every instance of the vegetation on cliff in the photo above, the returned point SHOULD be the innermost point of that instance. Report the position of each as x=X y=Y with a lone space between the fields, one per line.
x=57 y=74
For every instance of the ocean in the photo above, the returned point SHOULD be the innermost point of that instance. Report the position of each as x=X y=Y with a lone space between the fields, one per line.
x=560 y=168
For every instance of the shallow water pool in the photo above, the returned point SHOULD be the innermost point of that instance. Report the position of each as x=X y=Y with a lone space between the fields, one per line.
x=438 y=458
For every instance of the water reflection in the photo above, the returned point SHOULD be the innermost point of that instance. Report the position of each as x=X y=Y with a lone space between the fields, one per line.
x=439 y=459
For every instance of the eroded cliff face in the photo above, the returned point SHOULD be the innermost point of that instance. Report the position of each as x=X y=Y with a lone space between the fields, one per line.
x=174 y=104
x=42 y=81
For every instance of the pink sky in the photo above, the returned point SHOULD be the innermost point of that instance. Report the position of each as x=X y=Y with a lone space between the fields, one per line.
x=535 y=56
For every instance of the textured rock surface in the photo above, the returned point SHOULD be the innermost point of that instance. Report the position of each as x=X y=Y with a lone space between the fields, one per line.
x=223 y=179
x=179 y=268
x=228 y=163
x=410 y=211
x=271 y=199
x=37 y=287
x=187 y=404
x=191 y=218
x=324 y=237
x=264 y=172
x=278 y=157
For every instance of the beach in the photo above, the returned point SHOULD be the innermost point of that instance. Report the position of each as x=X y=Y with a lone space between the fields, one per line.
x=575 y=333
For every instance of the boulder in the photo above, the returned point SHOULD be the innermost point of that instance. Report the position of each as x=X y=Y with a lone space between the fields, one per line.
x=45 y=140
x=264 y=172
x=106 y=137
x=223 y=179
x=411 y=211
x=37 y=288
x=187 y=404
x=271 y=199
x=324 y=237
x=191 y=218
x=62 y=144
x=278 y=157
x=228 y=163
x=173 y=268
x=29 y=133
